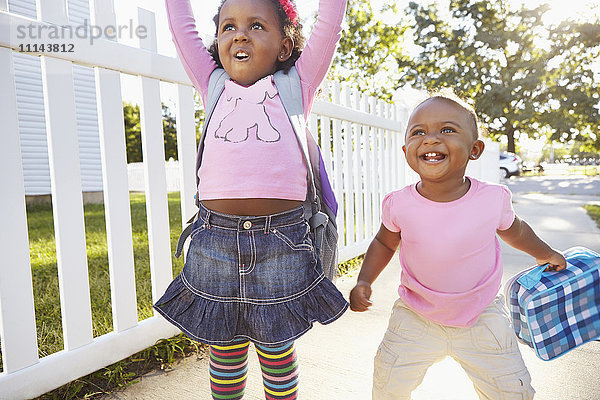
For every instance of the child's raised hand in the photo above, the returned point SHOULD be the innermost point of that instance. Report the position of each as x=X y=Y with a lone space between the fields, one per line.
x=555 y=259
x=359 y=296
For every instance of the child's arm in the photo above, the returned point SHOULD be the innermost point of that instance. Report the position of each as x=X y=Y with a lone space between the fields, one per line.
x=522 y=237
x=380 y=252
x=196 y=60
x=317 y=55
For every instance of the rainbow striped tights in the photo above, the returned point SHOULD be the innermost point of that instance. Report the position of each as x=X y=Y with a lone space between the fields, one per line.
x=229 y=367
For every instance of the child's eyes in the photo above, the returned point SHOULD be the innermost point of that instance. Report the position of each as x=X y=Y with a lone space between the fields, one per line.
x=254 y=26
x=421 y=132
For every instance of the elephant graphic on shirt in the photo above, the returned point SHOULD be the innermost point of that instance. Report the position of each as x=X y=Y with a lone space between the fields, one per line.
x=232 y=127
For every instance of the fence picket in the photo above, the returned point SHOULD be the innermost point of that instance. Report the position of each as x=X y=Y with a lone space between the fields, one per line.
x=153 y=153
x=357 y=161
x=376 y=186
x=17 y=319
x=338 y=180
x=67 y=202
x=368 y=172
x=349 y=190
x=116 y=199
x=115 y=183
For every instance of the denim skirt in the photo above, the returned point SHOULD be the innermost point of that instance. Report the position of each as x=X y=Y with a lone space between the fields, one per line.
x=256 y=278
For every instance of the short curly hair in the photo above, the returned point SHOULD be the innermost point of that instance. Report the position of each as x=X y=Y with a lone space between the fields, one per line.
x=290 y=29
x=448 y=94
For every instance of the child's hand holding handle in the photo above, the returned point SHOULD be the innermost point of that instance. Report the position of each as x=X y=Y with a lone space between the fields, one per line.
x=555 y=260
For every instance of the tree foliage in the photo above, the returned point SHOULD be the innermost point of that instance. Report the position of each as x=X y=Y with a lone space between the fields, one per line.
x=367 y=50
x=170 y=133
x=525 y=77
x=133 y=132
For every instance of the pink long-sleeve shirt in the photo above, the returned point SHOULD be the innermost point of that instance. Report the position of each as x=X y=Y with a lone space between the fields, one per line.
x=449 y=252
x=251 y=150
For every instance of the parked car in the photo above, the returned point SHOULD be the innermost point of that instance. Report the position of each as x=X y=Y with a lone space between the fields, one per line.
x=510 y=165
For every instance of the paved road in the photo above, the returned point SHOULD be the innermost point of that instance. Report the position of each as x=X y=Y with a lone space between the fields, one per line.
x=336 y=360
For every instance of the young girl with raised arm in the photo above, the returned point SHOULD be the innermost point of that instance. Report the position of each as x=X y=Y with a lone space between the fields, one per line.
x=252 y=272
x=446 y=227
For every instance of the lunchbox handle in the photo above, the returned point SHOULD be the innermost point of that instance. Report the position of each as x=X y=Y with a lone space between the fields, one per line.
x=532 y=277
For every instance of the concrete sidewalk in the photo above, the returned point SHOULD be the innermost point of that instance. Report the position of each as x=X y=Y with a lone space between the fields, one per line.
x=336 y=360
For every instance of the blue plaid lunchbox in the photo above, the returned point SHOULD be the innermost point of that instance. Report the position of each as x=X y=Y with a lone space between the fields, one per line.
x=555 y=311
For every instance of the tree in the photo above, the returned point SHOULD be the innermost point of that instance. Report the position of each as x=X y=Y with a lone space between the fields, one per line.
x=525 y=78
x=133 y=132
x=368 y=49
x=576 y=93
x=170 y=133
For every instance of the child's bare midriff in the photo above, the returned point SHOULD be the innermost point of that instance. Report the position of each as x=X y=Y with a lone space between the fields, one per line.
x=251 y=207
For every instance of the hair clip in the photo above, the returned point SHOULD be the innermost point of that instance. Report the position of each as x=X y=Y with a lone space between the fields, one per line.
x=290 y=10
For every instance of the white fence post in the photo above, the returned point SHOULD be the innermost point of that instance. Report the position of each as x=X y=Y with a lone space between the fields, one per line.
x=349 y=171
x=338 y=180
x=376 y=184
x=17 y=319
x=367 y=156
x=65 y=176
x=153 y=151
x=116 y=190
x=358 y=171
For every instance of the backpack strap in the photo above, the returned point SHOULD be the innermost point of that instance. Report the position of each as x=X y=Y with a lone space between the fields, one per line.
x=289 y=89
x=216 y=85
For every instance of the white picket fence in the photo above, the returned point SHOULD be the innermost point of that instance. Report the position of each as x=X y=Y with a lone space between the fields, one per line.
x=361 y=140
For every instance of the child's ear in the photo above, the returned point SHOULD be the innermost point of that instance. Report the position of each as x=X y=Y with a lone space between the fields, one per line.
x=477 y=150
x=285 y=50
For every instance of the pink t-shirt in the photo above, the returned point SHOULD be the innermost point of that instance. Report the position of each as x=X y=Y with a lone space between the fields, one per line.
x=259 y=156
x=449 y=252
x=250 y=137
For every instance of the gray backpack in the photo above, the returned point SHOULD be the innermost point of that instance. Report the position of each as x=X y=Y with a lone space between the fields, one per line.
x=320 y=205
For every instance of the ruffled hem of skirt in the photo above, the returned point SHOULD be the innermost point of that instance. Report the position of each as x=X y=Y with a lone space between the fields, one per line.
x=221 y=322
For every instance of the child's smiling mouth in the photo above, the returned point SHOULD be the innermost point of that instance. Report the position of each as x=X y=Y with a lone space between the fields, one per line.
x=433 y=157
x=241 y=55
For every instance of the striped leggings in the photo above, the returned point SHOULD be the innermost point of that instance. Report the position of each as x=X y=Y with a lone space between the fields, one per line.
x=229 y=367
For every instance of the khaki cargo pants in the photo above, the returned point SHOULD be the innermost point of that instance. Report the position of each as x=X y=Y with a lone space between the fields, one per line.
x=487 y=351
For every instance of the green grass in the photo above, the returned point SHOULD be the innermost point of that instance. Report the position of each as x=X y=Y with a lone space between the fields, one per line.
x=351 y=266
x=564 y=169
x=594 y=212
x=45 y=272
x=584 y=169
